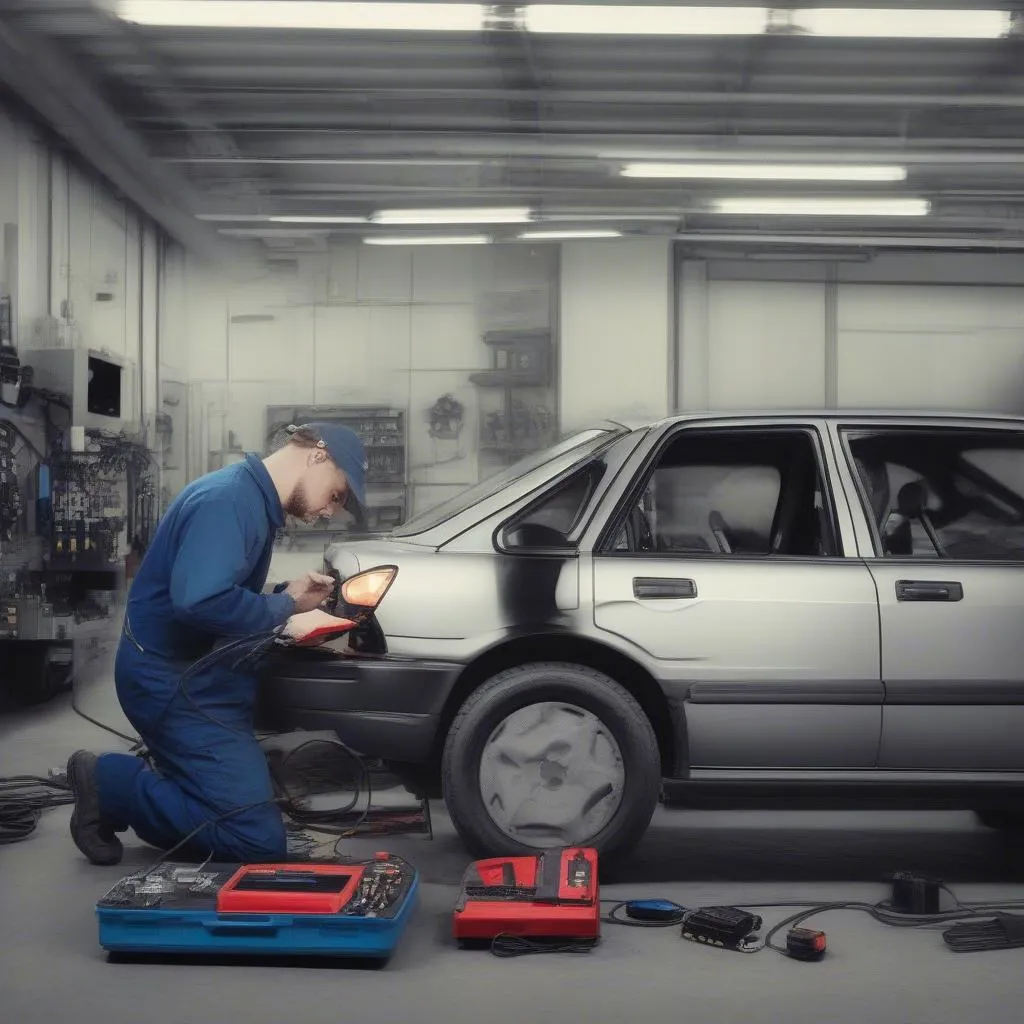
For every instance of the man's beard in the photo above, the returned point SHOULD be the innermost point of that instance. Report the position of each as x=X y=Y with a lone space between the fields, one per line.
x=298 y=506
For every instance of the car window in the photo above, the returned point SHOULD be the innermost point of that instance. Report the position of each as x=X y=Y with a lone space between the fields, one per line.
x=944 y=493
x=549 y=521
x=743 y=492
x=584 y=442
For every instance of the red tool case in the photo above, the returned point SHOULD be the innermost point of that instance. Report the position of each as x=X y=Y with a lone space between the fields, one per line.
x=289 y=889
x=555 y=894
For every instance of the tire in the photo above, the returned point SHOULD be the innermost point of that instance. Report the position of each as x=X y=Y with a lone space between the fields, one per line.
x=613 y=737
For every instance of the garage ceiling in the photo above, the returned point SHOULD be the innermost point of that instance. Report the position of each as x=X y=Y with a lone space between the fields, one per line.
x=224 y=128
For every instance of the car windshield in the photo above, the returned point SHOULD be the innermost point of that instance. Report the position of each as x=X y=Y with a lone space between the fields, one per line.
x=582 y=443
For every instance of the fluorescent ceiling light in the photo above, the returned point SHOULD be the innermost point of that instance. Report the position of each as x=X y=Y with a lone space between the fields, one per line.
x=902 y=24
x=825 y=207
x=552 y=236
x=599 y=19
x=297 y=219
x=594 y=19
x=431 y=240
x=265 y=218
x=301 y=161
x=319 y=15
x=497 y=215
x=767 y=172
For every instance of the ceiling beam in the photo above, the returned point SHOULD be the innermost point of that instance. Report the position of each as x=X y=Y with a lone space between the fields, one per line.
x=45 y=79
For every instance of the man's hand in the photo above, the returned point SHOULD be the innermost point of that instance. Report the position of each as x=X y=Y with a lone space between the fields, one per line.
x=310 y=591
x=301 y=625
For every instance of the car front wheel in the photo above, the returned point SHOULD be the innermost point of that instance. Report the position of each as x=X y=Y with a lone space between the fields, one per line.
x=547 y=755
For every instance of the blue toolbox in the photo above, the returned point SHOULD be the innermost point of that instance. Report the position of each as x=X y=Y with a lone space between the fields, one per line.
x=356 y=909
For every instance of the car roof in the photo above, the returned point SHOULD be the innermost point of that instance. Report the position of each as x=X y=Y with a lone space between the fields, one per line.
x=904 y=416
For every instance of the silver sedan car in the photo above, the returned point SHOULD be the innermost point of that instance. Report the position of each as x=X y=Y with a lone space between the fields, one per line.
x=816 y=610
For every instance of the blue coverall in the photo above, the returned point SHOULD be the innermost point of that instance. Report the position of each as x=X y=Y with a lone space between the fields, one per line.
x=199 y=582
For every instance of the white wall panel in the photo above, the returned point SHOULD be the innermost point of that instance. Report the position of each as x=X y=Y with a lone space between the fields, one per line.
x=149 y=360
x=341 y=347
x=615 y=335
x=8 y=176
x=447 y=338
x=383 y=274
x=957 y=348
x=33 y=243
x=766 y=345
x=445 y=274
x=278 y=349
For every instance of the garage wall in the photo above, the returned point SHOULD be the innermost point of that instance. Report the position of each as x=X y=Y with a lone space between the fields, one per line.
x=924 y=332
x=8 y=206
x=617 y=350
x=361 y=326
x=24 y=250
x=931 y=347
x=84 y=267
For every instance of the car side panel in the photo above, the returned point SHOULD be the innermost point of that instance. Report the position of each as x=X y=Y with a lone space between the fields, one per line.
x=953 y=669
x=776 y=662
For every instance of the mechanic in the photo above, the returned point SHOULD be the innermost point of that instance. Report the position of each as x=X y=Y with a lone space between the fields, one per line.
x=200 y=583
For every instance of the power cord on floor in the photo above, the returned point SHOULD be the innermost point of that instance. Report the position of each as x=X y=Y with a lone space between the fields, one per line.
x=1003 y=931
x=23 y=798
x=516 y=945
x=134 y=741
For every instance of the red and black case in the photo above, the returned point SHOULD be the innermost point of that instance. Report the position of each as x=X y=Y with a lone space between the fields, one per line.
x=555 y=894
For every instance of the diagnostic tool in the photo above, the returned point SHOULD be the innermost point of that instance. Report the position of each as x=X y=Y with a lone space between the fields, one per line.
x=553 y=895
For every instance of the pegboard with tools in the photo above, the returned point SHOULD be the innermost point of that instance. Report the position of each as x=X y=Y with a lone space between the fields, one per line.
x=11 y=501
x=103 y=503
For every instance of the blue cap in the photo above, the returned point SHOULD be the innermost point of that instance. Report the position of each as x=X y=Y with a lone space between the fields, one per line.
x=346 y=450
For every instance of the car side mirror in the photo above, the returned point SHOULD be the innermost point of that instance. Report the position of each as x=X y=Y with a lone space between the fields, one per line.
x=530 y=536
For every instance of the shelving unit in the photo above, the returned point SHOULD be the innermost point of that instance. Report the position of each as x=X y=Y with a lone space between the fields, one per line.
x=383 y=433
x=516 y=417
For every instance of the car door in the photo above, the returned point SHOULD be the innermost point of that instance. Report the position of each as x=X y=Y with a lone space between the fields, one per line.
x=946 y=507
x=723 y=566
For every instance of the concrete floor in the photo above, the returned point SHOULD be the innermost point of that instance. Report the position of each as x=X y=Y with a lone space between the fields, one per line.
x=53 y=968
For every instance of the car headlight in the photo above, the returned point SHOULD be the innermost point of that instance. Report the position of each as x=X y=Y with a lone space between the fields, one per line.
x=367 y=589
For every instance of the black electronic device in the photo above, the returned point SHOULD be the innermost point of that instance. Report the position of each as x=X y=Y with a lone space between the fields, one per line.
x=915 y=894
x=726 y=927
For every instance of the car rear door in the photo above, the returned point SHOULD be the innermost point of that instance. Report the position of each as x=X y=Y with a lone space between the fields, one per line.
x=724 y=567
x=946 y=550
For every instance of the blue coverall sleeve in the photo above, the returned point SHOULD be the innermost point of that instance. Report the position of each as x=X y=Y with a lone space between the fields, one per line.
x=210 y=565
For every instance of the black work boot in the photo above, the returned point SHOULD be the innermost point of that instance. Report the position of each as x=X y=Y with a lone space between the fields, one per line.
x=92 y=833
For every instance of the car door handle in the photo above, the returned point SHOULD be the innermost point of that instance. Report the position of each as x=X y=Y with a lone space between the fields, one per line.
x=656 y=588
x=928 y=590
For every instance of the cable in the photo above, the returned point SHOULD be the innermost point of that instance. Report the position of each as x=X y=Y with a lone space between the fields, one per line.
x=134 y=741
x=209 y=822
x=505 y=945
x=23 y=798
x=1004 y=931
x=669 y=914
x=20 y=813
x=329 y=822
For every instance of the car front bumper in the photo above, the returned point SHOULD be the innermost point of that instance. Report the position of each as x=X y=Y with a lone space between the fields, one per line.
x=380 y=706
